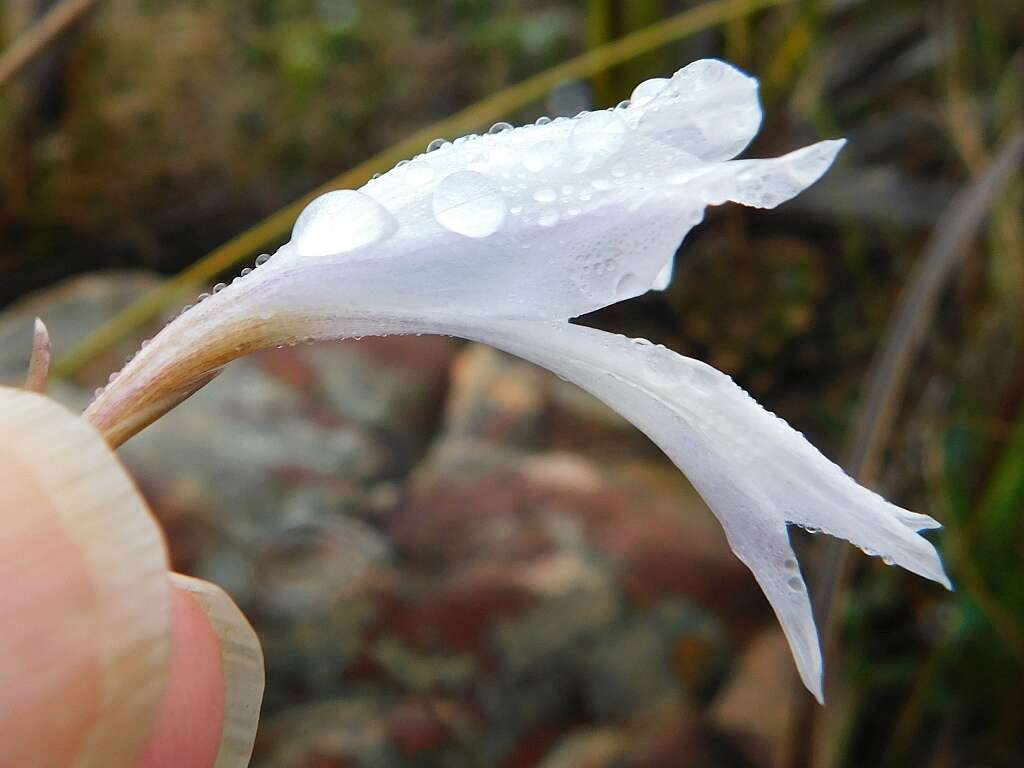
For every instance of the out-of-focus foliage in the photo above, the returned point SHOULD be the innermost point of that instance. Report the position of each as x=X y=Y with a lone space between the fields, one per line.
x=160 y=129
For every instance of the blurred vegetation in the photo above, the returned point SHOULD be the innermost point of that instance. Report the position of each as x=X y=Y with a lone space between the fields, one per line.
x=156 y=130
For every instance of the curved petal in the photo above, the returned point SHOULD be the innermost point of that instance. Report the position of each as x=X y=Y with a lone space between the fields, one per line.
x=756 y=472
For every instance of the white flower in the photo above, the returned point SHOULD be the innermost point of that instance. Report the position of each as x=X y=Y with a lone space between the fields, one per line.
x=502 y=238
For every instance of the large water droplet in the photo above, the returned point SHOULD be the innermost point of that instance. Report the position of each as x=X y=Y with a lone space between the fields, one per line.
x=470 y=204
x=435 y=145
x=646 y=91
x=341 y=221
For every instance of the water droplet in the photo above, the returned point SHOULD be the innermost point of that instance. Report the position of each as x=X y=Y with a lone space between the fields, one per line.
x=470 y=204
x=341 y=221
x=791 y=564
x=375 y=177
x=548 y=218
x=246 y=271
x=624 y=104
x=660 y=366
x=97 y=392
x=435 y=145
x=262 y=259
x=596 y=137
x=629 y=285
x=543 y=120
x=419 y=172
x=219 y=287
x=145 y=343
x=647 y=90
x=401 y=163
x=545 y=195
x=796 y=583
x=202 y=297
x=500 y=127
x=540 y=156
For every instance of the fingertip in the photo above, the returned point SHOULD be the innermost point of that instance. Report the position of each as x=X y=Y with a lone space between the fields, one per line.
x=189 y=723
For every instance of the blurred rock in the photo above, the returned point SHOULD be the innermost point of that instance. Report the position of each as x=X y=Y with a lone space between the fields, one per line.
x=759 y=699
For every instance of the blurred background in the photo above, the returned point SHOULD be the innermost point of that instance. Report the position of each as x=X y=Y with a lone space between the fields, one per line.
x=455 y=559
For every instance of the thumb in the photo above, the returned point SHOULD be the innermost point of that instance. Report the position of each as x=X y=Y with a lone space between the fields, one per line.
x=106 y=659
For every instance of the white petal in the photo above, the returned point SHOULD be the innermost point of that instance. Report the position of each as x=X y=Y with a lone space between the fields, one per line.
x=553 y=220
x=756 y=472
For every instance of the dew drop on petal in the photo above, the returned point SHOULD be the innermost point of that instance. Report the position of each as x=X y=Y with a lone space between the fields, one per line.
x=341 y=221
x=470 y=204
x=500 y=127
x=419 y=172
x=658 y=366
x=543 y=120
x=262 y=259
x=796 y=583
x=629 y=285
x=435 y=145
x=597 y=136
x=540 y=156
x=548 y=218
x=647 y=90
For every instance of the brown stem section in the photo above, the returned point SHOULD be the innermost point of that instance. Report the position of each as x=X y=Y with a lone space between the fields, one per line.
x=189 y=353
